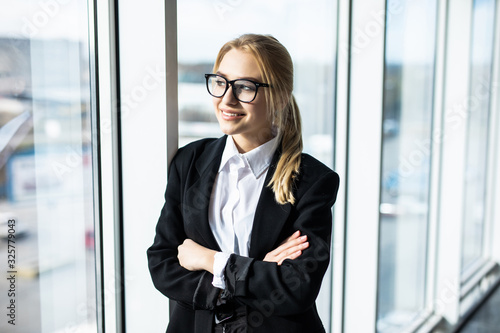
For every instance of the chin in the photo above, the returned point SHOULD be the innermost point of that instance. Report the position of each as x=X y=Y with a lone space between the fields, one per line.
x=229 y=130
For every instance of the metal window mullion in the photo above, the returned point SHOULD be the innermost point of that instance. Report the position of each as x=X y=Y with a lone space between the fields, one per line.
x=493 y=145
x=438 y=115
x=341 y=133
x=96 y=163
x=109 y=165
x=108 y=159
x=493 y=203
x=453 y=134
x=171 y=79
x=364 y=164
x=116 y=115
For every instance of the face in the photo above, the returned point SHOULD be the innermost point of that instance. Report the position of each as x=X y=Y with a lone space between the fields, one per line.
x=248 y=123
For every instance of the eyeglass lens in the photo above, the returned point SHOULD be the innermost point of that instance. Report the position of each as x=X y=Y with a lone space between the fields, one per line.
x=243 y=90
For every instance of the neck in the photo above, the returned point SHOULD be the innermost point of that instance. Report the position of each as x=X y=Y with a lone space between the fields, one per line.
x=244 y=144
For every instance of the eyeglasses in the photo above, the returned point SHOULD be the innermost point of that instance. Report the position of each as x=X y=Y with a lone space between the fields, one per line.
x=243 y=90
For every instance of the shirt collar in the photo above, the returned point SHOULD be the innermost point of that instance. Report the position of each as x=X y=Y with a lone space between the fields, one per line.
x=258 y=159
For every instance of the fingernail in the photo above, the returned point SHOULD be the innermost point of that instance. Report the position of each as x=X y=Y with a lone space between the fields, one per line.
x=303 y=237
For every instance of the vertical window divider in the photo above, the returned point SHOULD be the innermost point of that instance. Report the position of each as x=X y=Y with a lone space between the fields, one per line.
x=436 y=151
x=341 y=142
x=96 y=163
x=452 y=187
x=364 y=162
x=172 y=78
x=116 y=107
x=108 y=159
x=493 y=146
x=493 y=213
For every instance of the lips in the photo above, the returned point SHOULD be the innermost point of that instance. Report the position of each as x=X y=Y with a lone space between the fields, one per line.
x=231 y=114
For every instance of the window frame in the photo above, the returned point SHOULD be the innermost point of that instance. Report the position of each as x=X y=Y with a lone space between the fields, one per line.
x=362 y=183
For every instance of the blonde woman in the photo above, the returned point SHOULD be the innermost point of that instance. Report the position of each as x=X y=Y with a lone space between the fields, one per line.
x=243 y=240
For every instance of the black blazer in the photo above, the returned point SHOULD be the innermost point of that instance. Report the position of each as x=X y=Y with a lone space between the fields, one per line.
x=277 y=298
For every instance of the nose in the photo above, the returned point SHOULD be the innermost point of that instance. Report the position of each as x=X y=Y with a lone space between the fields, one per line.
x=228 y=97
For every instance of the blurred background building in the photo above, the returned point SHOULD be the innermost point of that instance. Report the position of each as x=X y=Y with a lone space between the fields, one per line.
x=400 y=97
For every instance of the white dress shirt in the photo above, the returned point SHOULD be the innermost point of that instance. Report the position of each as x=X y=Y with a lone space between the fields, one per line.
x=235 y=195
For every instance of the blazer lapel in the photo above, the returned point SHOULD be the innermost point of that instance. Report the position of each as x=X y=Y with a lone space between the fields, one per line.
x=269 y=215
x=198 y=195
x=269 y=218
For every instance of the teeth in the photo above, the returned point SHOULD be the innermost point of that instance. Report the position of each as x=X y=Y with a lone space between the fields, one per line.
x=231 y=114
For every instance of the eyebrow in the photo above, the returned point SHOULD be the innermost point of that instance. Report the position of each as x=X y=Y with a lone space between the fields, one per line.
x=241 y=78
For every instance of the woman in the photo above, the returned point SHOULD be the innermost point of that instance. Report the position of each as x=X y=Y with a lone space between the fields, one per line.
x=243 y=240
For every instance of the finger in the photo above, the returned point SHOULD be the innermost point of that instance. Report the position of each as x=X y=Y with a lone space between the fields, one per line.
x=298 y=248
x=283 y=250
x=292 y=256
x=295 y=235
x=188 y=242
x=294 y=242
x=292 y=252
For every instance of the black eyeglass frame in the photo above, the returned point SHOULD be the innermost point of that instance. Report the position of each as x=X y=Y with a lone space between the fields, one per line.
x=228 y=83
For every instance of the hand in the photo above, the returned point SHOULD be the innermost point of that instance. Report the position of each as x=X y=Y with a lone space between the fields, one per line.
x=194 y=257
x=291 y=248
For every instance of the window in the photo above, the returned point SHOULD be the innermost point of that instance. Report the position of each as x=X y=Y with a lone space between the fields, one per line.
x=406 y=161
x=46 y=174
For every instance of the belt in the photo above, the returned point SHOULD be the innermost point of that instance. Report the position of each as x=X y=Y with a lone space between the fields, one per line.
x=236 y=322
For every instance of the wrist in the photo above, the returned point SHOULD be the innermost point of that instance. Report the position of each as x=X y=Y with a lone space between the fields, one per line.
x=208 y=260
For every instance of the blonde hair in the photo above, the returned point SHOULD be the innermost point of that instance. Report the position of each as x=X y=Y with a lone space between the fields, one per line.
x=276 y=69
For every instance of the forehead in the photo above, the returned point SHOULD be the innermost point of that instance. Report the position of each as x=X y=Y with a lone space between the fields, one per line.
x=237 y=64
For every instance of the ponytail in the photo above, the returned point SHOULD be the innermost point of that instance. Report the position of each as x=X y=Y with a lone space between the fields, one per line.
x=287 y=169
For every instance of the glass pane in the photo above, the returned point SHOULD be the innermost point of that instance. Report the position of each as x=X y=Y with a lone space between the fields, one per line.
x=483 y=25
x=46 y=192
x=307 y=29
x=406 y=154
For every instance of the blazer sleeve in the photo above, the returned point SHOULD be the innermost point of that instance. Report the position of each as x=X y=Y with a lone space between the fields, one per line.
x=193 y=288
x=292 y=287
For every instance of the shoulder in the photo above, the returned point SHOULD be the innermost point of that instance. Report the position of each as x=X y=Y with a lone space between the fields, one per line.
x=312 y=169
x=316 y=179
x=195 y=146
x=193 y=150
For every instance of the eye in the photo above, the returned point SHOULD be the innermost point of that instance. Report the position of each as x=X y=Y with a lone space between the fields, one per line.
x=220 y=82
x=245 y=86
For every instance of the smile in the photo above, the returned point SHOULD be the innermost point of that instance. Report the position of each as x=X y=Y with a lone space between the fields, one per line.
x=232 y=114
